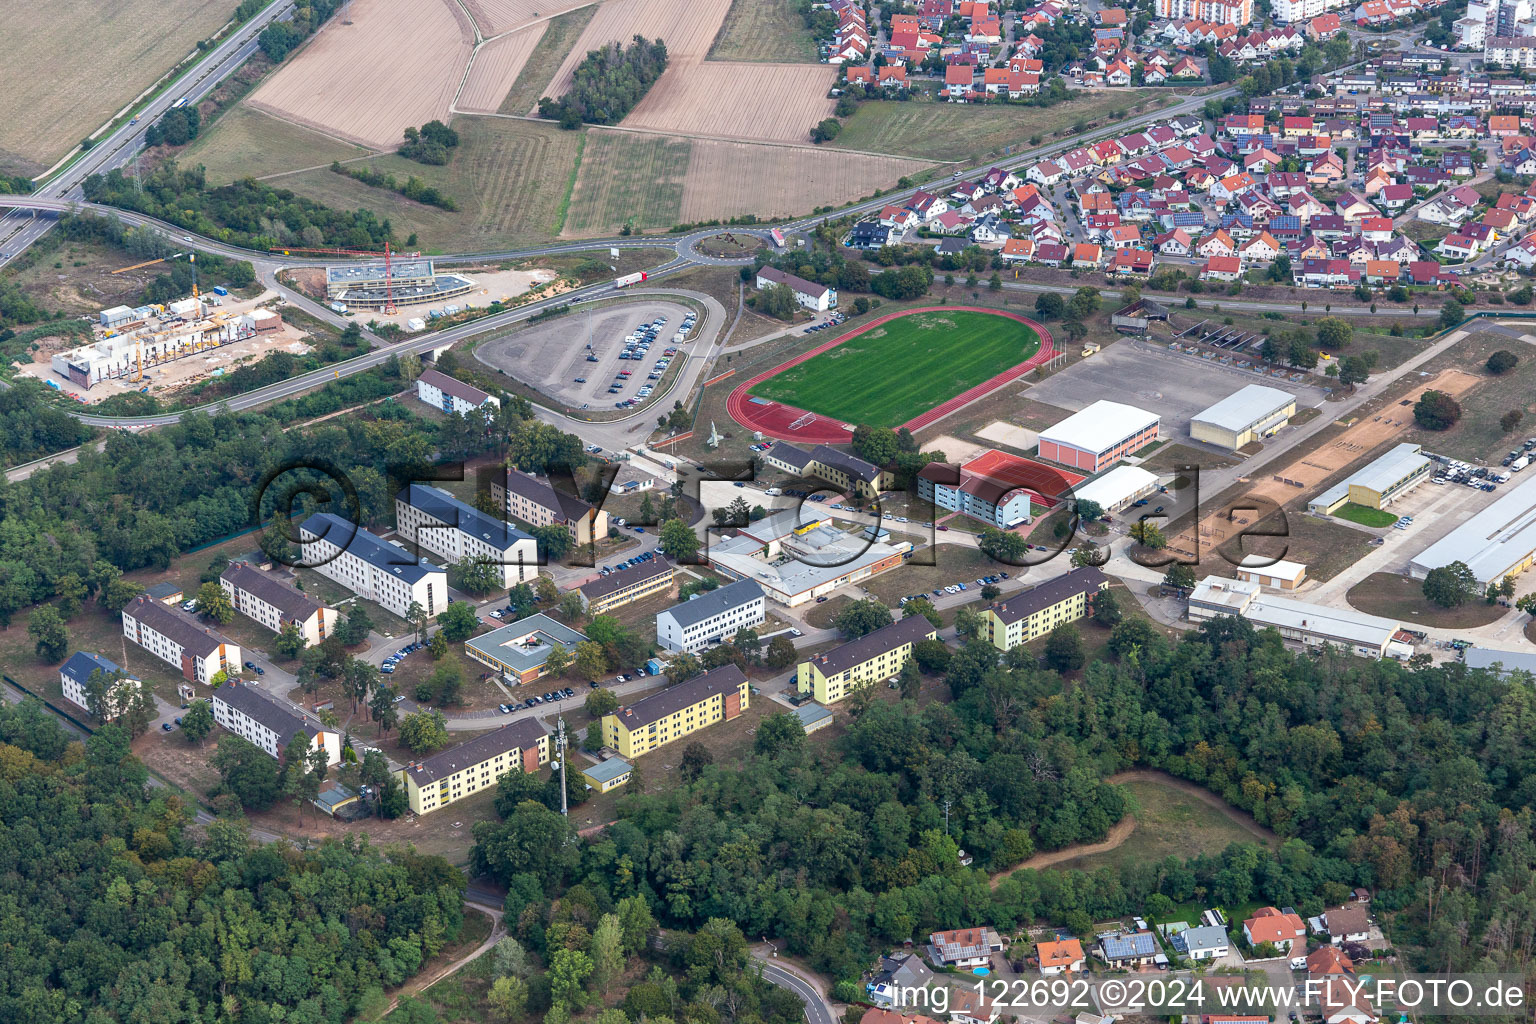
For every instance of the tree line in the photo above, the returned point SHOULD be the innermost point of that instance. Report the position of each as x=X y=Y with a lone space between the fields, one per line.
x=413 y=188
x=280 y=38
x=608 y=84
x=128 y=911
x=246 y=213
x=1412 y=780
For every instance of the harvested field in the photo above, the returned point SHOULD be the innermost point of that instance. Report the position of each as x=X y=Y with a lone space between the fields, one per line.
x=497 y=16
x=687 y=29
x=764 y=30
x=952 y=131
x=766 y=102
x=628 y=177
x=726 y=179
x=559 y=34
x=388 y=65
x=244 y=142
x=495 y=67
x=109 y=52
x=509 y=178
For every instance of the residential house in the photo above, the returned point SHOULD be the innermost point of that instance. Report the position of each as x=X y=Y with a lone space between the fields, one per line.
x=1128 y=950
x=809 y=294
x=1278 y=929
x=1204 y=942
x=1060 y=956
x=964 y=947
x=1221 y=268
x=1348 y=923
x=75 y=675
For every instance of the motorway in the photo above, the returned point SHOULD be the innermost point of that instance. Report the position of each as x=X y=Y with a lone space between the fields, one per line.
x=17 y=232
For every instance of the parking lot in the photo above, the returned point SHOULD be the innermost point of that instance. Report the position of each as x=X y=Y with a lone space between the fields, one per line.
x=1135 y=375
x=575 y=359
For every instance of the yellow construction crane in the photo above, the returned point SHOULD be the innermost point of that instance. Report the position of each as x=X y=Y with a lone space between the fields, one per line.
x=147 y=263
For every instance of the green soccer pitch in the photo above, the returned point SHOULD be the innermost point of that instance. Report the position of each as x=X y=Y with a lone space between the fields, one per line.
x=896 y=370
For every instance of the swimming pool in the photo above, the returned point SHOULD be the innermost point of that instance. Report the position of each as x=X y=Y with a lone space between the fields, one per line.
x=981 y=971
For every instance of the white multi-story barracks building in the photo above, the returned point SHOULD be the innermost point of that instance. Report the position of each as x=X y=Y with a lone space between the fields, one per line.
x=370 y=567
x=451 y=395
x=715 y=615
x=275 y=604
x=179 y=640
x=447 y=527
x=246 y=711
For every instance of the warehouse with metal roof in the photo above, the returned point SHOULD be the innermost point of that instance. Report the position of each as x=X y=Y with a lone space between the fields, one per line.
x=1499 y=541
x=1244 y=416
x=1118 y=488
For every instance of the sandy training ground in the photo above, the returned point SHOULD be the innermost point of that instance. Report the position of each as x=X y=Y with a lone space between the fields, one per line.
x=1304 y=477
x=1010 y=435
x=726 y=179
x=369 y=73
x=687 y=29
x=69 y=65
x=495 y=67
x=764 y=102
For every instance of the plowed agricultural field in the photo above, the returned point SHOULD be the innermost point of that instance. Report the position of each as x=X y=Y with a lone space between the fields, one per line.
x=69 y=65
x=688 y=29
x=497 y=16
x=496 y=66
x=766 y=102
x=387 y=65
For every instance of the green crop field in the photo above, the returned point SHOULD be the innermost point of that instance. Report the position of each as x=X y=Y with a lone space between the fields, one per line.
x=764 y=30
x=904 y=367
x=627 y=177
x=246 y=143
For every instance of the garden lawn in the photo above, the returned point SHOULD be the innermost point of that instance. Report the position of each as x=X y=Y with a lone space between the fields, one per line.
x=1366 y=516
x=903 y=367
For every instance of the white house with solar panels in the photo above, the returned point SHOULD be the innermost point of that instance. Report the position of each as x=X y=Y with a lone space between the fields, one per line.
x=442 y=524
x=370 y=567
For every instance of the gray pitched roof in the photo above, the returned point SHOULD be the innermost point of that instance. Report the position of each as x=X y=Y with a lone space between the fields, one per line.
x=285 y=721
x=887 y=638
x=179 y=627
x=293 y=604
x=1207 y=936
x=713 y=602
x=544 y=494
x=616 y=581
x=1022 y=606
x=376 y=551
x=723 y=680
x=518 y=735
x=451 y=386
x=445 y=508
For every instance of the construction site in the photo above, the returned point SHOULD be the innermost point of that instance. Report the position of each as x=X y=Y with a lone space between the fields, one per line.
x=159 y=348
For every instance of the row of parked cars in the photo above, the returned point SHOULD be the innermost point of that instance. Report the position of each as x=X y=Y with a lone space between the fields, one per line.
x=644 y=556
x=399 y=656
x=833 y=321
x=548 y=698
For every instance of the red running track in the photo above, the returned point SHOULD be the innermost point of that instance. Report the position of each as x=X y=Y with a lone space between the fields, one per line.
x=774 y=419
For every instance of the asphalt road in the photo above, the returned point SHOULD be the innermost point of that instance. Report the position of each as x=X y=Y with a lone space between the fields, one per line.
x=817 y=1011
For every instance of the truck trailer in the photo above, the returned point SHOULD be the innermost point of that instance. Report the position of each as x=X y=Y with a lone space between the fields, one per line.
x=629 y=279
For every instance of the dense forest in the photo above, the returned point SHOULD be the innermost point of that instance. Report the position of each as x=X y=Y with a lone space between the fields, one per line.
x=115 y=908
x=32 y=424
x=146 y=497
x=247 y=213
x=608 y=84
x=1414 y=782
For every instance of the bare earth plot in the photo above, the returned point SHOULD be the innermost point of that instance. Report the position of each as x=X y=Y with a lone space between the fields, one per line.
x=509 y=178
x=760 y=102
x=366 y=77
x=628 y=177
x=726 y=179
x=764 y=30
x=497 y=16
x=245 y=143
x=688 y=29
x=69 y=65
x=496 y=66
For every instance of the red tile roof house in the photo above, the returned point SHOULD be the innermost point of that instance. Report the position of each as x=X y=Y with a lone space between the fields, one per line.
x=1222 y=268
x=964 y=947
x=1269 y=925
x=1132 y=261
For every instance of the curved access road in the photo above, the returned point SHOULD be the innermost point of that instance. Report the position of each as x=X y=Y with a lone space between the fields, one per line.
x=817 y=1009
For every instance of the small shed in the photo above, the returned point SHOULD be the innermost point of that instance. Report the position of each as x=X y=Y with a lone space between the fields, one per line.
x=609 y=774
x=813 y=717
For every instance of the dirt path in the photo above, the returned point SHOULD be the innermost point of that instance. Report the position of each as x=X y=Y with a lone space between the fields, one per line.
x=1122 y=829
x=422 y=982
